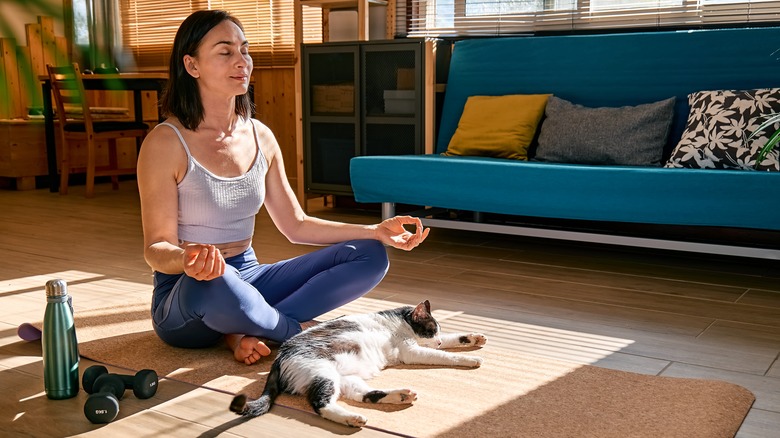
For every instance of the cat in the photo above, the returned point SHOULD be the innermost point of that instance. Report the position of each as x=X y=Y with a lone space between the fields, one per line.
x=333 y=358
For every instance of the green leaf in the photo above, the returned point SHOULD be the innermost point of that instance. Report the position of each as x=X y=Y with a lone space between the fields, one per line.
x=773 y=118
x=768 y=147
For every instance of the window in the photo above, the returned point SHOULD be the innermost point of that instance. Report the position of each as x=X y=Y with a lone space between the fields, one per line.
x=149 y=26
x=80 y=22
x=437 y=18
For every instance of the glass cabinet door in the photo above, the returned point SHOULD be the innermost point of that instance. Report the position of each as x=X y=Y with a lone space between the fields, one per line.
x=331 y=113
x=391 y=92
x=359 y=98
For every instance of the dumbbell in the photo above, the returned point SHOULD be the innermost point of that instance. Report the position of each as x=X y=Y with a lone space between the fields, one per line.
x=143 y=383
x=102 y=406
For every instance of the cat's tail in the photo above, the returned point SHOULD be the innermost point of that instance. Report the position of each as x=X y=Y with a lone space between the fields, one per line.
x=254 y=408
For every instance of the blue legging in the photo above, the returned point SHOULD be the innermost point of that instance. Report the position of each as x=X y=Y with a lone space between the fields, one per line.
x=264 y=300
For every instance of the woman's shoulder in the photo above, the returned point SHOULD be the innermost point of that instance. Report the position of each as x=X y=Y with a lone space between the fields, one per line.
x=164 y=132
x=160 y=139
x=264 y=133
x=260 y=126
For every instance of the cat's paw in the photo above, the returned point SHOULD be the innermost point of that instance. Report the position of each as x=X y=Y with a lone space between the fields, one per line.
x=475 y=339
x=471 y=361
x=400 y=396
x=356 y=420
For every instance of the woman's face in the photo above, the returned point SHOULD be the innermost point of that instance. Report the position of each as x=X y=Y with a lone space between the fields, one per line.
x=222 y=64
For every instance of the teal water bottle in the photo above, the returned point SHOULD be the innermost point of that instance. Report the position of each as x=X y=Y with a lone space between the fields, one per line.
x=60 y=348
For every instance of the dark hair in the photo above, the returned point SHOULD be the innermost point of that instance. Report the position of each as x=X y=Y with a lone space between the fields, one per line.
x=181 y=97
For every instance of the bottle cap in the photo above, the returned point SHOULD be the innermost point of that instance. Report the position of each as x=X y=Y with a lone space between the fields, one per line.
x=56 y=288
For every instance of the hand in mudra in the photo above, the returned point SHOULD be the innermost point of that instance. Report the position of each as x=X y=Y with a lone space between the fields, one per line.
x=203 y=262
x=392 y=232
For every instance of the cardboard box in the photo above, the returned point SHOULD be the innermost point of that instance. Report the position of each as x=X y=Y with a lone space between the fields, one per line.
x=405 y=79
x=333 y=98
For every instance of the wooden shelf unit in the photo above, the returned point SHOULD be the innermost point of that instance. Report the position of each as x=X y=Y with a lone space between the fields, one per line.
x=363 y=98
x=362 y=8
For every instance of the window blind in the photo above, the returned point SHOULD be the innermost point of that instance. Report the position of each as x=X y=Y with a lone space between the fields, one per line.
x=443 y=18
x=149 y=26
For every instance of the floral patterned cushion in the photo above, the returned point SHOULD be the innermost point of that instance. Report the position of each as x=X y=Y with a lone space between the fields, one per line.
x=718 y=127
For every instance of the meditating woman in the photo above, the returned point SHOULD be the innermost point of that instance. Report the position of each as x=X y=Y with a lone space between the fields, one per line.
x=203 y=175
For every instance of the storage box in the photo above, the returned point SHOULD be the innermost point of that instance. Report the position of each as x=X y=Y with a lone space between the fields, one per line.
x=333 y=98
x=405 y=79
x=399 y=101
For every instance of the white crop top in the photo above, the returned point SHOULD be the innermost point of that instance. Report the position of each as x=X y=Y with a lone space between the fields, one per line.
x=215 y=209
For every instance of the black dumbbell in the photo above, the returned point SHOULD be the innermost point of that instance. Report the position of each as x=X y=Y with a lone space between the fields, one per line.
x=143 y=383
x=102 y=406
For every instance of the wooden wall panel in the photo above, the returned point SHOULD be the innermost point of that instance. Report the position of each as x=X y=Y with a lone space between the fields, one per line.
x=20 y=67
x=5 y=99
x=61 y=51
x=37 y=62
x=12 y=101
x=28 y=81
x=48 y=42
x=275 y=107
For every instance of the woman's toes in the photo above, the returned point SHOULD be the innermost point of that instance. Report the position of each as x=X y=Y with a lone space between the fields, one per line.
x=250 y=349
x=262 y=349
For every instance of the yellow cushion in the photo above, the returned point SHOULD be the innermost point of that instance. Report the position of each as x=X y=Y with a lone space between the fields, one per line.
x=498 y=126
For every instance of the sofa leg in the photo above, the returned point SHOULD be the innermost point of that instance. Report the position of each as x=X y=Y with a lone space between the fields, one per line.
x=388 y=210
x=478 y=217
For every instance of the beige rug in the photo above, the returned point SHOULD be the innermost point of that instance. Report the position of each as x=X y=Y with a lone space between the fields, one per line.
x=510 y=395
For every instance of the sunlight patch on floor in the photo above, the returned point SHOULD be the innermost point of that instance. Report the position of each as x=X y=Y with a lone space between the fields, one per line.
x=522 y=338
x=17 y=361
x=579 y=347
x=179 y=371
x=233 y=384
x=104 y=287
x=34 y=282
x=119 y=309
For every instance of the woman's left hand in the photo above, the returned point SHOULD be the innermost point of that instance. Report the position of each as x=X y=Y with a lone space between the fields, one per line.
x=392 y=232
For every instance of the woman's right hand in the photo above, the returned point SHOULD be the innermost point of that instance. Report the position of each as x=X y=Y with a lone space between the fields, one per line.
x=203 y=262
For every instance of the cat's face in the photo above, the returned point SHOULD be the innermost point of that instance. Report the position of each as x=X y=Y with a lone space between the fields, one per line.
x=425 y=327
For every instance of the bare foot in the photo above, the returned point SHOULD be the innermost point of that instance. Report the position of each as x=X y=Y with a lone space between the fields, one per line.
x=247 y=349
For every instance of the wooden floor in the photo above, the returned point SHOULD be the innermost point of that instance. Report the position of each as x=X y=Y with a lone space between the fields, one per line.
x=645 y=311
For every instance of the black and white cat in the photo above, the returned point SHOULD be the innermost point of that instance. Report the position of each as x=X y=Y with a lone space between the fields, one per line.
x=334 y=358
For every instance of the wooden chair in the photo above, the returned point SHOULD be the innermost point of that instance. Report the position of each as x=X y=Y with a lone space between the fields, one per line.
x=70 y=99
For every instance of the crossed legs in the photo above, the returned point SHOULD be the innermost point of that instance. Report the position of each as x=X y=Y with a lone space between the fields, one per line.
x=253 y=301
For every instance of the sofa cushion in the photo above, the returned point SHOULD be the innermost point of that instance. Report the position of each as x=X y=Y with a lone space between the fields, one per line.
x=629 y=135
x=498 y=126
x=719 y=124
x=642 y=194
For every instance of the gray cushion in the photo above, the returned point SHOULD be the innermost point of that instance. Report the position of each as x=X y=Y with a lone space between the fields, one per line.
x=630 y=135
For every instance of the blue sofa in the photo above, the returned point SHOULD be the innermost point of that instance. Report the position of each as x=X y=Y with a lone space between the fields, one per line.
x=606 y=70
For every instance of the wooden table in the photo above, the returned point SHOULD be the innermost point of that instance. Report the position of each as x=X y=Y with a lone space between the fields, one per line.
x=135 y=82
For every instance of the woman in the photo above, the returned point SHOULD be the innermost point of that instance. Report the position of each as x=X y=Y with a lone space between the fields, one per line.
x=203 y=175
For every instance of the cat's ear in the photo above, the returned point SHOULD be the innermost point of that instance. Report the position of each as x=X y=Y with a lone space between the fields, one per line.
x=423 y=310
